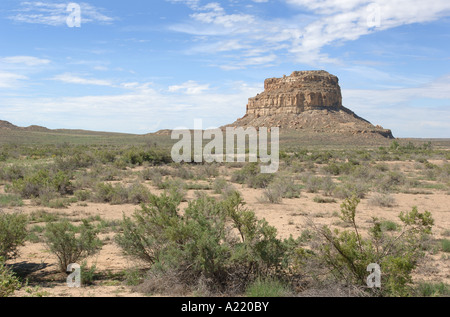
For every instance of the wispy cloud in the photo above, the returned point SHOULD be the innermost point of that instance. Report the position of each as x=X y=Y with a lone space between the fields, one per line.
x=10 y=80
x=56 y=14
x=139 y=108
x=73 y=79
x=396 y=108
x=24 y=60
x=190 y=87
x=313 y=25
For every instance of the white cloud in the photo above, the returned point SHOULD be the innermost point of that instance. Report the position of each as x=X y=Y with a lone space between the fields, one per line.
x=56 y=14
x=10 y=80
x=24 y=60
x=72 y=79
x=302 y=38
x=404 y=110
x=141 y=106
x=190 y=87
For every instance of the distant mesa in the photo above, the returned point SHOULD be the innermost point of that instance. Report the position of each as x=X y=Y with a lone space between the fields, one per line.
x=309 y=101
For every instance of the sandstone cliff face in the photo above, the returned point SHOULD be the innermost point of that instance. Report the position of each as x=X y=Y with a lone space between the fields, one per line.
x=305 y=90
x=306 y=100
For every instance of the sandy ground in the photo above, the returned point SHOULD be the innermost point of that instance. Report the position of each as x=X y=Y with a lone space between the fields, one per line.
x=289 y=218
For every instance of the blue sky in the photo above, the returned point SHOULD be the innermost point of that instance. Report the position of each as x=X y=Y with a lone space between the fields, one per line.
x=141 y=66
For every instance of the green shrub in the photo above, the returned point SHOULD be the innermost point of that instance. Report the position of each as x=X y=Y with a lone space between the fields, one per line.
x=251 y=176
x=138 y=193
x=273 y=194
x=427 y=289
x=42 y=181
x=219 y=185
x=327 y=186
x=113 y=194
x=260 y=180
x=350 y=188
x=281 y=188
x=242 y=175
x=347 y=253
x=83 y=195
x=391 y=181
x=12 y=234
x=208 y=170
x=388 y=225
x=445 y=245
x=135 y=156
x=10 y=201
x=322 y=200
x=267 y=287
x=88 y=274
x=200 y=244
x=12 y=172
x=70 y=243
x=9 y=283
x=42 y=216
x=312 y=183
x=382 y=200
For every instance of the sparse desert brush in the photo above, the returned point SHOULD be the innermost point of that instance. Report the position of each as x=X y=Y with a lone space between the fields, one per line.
x=340 y=168
x=12 y=172
x=433 y=289
x=71 y=243
x=223 y=187
x=9 y=282
x=290 y=189
x=208 y=170
x=107 y=193
x=175 y=187
x=272 y=194
x=83 y=195
x=322 y=200
x=219 y=185
x=138 y=193
x=351 y=188
x=382 y=200
x=33 y=184
x=391 y=181
x=199 y=245
x=445 y=245
x=10 y=201
x=74 y=162
x=347 y=253
x=12 y=233
x=312 y=183
x=118 y=194
x=327 y=185
x=182 y=171
x=281 y=187
x=137 y=156
x=268 y=287
x=106 y=172
x=259 y=180
x=241 y=175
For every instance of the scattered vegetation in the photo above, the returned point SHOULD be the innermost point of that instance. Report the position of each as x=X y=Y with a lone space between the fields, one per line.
x=347 y=253
x=70 y=243
x=200 y=247
x=215 y=244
